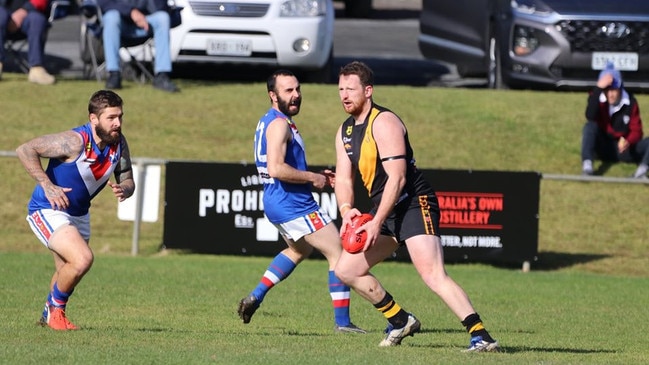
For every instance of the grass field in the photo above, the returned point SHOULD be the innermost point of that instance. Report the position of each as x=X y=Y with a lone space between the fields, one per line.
x=182 y=310
x=581 y=304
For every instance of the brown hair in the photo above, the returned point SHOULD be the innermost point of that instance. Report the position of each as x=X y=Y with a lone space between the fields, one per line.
x=270 y=83
x=103 y=99
x=360 y=69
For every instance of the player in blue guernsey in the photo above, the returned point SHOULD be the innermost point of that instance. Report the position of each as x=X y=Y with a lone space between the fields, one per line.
x=288 y=202
x=295 y=197
x=81 y=162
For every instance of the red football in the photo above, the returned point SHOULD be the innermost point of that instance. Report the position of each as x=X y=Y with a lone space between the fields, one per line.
x=352 y=242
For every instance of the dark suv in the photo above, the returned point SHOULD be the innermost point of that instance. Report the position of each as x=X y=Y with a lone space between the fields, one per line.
x=539 y=44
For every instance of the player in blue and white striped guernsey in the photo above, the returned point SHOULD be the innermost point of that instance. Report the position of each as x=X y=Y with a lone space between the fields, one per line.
x=81 y=162
x=288 y=202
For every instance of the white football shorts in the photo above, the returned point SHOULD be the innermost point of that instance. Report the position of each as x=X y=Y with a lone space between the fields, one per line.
x=302 y=226
x=45 y=221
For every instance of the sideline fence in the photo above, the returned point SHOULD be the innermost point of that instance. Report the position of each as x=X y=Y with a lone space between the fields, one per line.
x=143 y=162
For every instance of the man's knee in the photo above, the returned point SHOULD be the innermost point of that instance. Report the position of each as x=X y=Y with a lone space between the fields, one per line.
x=35 y=24
x=4 y=18
x=111 y=20
x=590 y=127
x=298 y=252
x=343 y=274
x=82 y=264
x=160 y=20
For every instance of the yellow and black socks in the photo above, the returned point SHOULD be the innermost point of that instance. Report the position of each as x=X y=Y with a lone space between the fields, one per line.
x=474 y=326
x=392 y=311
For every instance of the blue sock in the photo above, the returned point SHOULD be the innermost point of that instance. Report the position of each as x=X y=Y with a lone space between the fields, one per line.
x=59 y=298
x=279 y=269
x=340 y=299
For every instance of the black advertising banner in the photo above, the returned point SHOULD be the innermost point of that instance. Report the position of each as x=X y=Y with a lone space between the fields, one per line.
x=488 y=215
x=218 y=208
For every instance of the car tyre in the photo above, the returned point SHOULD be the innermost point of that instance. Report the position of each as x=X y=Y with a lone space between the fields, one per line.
x=358 y=8
x=322 y=75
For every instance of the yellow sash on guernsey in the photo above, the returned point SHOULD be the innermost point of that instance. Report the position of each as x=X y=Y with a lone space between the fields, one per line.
x=368 y=153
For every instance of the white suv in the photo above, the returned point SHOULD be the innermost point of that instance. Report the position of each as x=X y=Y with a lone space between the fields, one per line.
x=292 y=34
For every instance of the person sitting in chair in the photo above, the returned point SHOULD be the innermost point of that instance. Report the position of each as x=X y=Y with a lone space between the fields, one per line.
x=136 y=19
x=28 y=17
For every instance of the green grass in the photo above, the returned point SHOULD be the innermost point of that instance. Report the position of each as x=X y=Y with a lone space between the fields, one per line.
x=597 y=227
x=182 y=310
x=580 y=304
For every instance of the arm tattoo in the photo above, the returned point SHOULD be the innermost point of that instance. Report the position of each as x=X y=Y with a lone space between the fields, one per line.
x=64 y=146
x=124 y=171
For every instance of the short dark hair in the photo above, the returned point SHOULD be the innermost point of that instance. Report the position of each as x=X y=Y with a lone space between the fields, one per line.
x=360 y=69
x=103 y=99
x=270 y=83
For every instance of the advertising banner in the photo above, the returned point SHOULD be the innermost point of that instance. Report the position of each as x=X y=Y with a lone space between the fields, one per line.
x=218 y=208
x=488 y=215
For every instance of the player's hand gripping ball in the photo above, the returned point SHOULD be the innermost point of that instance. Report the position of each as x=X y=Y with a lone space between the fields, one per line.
x=352 y=242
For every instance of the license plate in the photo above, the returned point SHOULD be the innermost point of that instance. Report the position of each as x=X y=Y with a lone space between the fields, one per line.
x=626 y=61
x=229 y=47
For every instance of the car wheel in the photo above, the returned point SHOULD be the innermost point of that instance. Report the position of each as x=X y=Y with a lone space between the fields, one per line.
x=466 y=72
x=494 y=71
x=358 y=8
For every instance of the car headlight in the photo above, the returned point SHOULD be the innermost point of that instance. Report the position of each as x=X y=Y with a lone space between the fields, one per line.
x=303 y=8
x=531 y=7
x=525 y=41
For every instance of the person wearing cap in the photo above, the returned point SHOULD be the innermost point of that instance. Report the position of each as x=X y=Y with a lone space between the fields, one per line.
x=613 y=129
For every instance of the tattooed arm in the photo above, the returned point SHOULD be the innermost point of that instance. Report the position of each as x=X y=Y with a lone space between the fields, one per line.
x=65 y=146
x=125 y=186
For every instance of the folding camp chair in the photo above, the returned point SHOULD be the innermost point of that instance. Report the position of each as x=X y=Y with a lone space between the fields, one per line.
x=92 y=48
x=136 y=54
x=16 y=43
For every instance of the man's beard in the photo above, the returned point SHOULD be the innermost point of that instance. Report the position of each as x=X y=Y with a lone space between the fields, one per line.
x=353 y=105
x=106 y=135
x=284 y=106
x=354 y=109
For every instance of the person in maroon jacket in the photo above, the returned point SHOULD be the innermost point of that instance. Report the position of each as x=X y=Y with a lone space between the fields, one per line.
x=29 y=17
x=613 y=129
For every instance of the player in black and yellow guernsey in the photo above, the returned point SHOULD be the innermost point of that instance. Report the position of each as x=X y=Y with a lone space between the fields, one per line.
x=374 y=141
